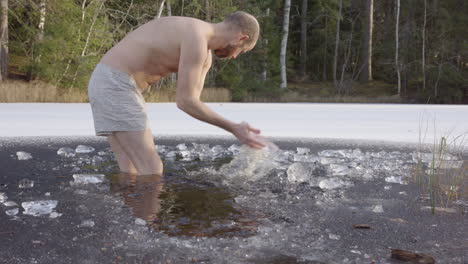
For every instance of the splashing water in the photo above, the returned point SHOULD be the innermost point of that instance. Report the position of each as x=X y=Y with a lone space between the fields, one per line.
x=251 y=164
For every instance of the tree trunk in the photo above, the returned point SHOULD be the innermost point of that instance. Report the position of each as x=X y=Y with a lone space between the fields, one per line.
x=423 y=66
x=3 y=39
x=325 y=51
x=169 y=8
x=265 y=65
x=42 y=17
x=161 y=7
x=397 y=43
x=366 y=53
x=284 y=43
x=208 y=10
x=303 y=58
x=337 y=44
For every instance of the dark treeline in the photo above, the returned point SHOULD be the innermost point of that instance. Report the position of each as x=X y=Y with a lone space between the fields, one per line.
x=417 y=49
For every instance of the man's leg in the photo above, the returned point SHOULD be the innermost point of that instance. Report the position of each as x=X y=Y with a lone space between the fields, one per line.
x=125 y=164
x=139 y=148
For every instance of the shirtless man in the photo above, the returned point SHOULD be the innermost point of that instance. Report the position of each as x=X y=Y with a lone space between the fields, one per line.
x=152 y=51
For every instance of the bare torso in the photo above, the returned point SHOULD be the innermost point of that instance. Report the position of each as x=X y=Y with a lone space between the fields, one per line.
x=152 y=51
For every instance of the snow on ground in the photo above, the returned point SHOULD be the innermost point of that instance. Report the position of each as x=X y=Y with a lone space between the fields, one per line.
x=397 y=123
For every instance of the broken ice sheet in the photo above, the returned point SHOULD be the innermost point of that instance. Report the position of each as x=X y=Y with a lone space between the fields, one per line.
x=23 y=155
x=84 y=149
x=66 y=152
x=303 y=172
x=25 y=184
x=87 y=178
x=10 y=204
x=37 y=208
x=334 y=183
x=12 y=212
x=396 y=179
x=3 y=197
x=87 y=223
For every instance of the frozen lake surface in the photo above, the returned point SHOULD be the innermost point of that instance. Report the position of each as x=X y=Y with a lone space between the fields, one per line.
x=378 y=122
x=296 y=202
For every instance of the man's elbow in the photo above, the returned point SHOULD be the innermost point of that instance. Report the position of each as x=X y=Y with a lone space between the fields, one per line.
x=185 y=104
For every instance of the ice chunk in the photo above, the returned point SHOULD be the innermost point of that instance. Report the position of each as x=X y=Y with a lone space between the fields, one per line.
x=378 y=209
x=171 y=154
x=395 y=179
x=3 y=197
x=25 y=184
x=451 y=164
x=302 y=172
x=305 y=158
x=47 y=194
x=251 y=164
x=186 y=155
x=10 y=203
x=23 y=155
x=217 y=150
x=341 y=170
x=333 y=183
x=88 y=178
x=12 y=212
x=55 y=215
x=87 y=223
x=84 y=149
x=66 y=152
x=387 y=187
x=37 y=208
x=303 y=151
x=235 y=149
x=140 y=221
x=97 y=160
x=334 y=237
x=181 y=147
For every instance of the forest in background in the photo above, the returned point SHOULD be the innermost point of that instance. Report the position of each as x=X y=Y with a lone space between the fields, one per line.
x=413 y=51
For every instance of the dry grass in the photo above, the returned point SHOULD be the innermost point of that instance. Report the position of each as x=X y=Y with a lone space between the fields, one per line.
x=13 y=91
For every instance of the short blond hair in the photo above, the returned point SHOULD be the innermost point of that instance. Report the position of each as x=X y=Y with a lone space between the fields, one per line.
x=246 y=23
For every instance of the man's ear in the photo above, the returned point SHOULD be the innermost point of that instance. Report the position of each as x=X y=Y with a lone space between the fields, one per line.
x=243 y=37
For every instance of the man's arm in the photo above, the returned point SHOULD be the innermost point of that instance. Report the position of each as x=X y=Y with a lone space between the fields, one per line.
x=195 y=61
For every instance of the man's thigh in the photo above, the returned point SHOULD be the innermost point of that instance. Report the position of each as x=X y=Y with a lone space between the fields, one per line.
x=135 y=141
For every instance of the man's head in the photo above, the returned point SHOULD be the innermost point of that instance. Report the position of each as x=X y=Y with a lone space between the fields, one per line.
x=244 y=31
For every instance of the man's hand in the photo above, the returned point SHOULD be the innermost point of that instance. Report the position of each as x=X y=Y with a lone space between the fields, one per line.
x=248 y=135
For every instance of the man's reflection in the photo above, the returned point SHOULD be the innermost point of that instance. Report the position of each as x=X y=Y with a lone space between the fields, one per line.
x=140 y=192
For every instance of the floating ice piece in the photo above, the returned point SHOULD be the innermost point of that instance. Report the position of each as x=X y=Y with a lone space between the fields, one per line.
x=84 y=149
x=3 y=197
x=303 y=151
x=37 y=208
x=140 y=221
x=97 y=159
x=47 y=194
x=23 y=155
x=25 y=184
x=10 y=203
x=302 y=172
x=12 y=212
x=378 y=209
x=66 y=152
x=305 y=158
x=396 y=179
x=334 y=237
x=186 y=155
x=387 y=187
x=217 y=150
x=333 y=183
x=88 y=178
x=171 y=154
x=75 y=169
x=341 y=170
x=327 y=160
x=451 y=164
x=87 y=223
x=181 y=147
x=55 y=215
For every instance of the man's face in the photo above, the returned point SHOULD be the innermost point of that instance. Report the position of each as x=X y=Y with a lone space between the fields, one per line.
x=230 y=51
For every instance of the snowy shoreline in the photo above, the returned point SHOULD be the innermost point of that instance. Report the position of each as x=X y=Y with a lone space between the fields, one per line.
x=369 y=122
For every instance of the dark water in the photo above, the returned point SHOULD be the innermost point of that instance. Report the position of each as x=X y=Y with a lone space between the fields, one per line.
x=182 y=209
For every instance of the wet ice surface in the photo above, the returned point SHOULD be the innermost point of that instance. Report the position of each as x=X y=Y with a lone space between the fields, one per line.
x=229 y=204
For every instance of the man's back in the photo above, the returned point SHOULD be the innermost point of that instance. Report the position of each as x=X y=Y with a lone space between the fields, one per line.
x=153 y=49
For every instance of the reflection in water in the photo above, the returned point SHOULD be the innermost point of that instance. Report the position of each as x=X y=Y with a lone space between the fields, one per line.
x=183 y=209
